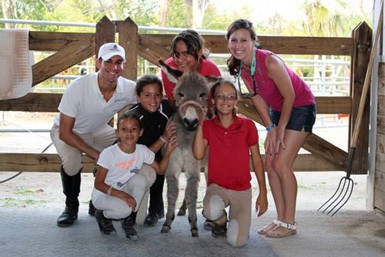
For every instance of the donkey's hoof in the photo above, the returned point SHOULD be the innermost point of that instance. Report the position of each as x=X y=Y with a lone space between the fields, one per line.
x=165 y=229
x=194 y=233
x=181 y=212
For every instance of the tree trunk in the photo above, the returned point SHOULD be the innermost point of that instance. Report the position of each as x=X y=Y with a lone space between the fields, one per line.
x=164 y=4
x=9 y=11
x=198 y=11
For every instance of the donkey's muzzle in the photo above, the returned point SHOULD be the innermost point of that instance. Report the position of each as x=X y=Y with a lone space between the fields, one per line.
x=190 y=124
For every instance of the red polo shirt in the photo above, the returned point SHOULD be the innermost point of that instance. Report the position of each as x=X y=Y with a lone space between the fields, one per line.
x=229 y=156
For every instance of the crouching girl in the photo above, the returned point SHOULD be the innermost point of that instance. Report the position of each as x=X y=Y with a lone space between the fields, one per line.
x=119 y=187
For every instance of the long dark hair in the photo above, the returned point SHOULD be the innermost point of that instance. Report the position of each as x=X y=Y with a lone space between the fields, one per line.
x=233 y=63
x=193 y=41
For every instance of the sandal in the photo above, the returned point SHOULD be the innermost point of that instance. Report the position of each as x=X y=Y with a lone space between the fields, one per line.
x=282 y=230
x=269 y=227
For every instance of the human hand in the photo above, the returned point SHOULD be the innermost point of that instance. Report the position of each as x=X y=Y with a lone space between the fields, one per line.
x=172 y=144
x=261 y=205
x=204 y=115
x=169 y=131
x=271 y=141
x=280 y=137
x=129 y=200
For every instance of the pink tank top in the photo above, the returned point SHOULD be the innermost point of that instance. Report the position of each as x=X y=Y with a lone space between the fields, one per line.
x=269 y=91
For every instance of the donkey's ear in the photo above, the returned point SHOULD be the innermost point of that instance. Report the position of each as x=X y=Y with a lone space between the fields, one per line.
x=211 y=80
x=172 y=74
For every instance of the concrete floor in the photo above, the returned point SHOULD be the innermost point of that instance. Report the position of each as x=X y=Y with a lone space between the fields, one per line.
x=31 y=203
x=33 y=232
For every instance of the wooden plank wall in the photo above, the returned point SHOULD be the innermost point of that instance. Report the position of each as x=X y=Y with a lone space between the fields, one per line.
x=379 y=180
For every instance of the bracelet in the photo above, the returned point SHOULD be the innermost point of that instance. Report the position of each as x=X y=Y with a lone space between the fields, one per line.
x=109 y=190
x=164 y=140
x=270 y=127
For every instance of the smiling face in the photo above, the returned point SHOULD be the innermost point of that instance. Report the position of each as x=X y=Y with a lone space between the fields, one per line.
x=241 y=45
x=225 y=99
x=183 y=58
x=128 y=132
x=110 y=70
x=150 y=97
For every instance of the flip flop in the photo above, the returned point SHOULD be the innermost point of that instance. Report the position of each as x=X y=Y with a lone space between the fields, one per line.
x=277 y=232
x=269 y=227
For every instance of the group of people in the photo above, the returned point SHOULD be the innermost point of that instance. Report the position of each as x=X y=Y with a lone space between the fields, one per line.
x=129 y=158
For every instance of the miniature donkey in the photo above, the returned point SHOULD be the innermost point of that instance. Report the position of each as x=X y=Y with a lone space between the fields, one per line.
x=191 y=95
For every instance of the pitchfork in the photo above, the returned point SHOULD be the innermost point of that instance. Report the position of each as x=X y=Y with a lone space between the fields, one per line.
x=345 y=187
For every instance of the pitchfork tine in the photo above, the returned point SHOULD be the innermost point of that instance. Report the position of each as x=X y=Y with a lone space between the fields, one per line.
x=350 y=185
x=339 y=195
x=331 y=197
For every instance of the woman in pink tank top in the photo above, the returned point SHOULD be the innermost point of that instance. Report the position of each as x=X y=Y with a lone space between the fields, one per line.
x=287 y=108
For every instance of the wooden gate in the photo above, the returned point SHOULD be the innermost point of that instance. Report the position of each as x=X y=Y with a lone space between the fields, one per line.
x=73 y=48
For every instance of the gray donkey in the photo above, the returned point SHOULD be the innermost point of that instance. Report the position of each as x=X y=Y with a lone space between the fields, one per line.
x=191 y=94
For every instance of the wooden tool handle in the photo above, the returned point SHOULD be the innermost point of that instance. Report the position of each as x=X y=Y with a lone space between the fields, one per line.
x=368 y=75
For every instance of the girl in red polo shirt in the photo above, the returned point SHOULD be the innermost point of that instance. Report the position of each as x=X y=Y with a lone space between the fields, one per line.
x=232 y=140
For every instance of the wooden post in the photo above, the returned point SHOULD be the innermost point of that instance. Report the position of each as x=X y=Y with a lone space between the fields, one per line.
x=129 y=39
x=105 y=32
x=362 y=38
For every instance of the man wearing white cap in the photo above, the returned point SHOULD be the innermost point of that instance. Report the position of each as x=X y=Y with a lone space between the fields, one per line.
x=87 y=105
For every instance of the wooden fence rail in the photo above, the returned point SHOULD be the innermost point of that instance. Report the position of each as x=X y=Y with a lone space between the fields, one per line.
x=73 y=48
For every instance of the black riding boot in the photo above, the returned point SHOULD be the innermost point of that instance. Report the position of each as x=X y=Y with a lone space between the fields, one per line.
x=71 y=189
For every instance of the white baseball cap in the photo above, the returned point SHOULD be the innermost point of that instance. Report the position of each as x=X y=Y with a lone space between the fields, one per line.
x=109 y=50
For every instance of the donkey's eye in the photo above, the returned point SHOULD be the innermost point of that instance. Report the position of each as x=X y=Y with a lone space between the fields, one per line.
x=180 y=94
x=202 y=95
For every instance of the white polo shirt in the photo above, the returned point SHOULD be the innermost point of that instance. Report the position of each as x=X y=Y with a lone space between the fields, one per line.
x=84 y=101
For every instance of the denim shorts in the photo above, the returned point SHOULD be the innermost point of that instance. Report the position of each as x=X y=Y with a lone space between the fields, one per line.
x=302 y=117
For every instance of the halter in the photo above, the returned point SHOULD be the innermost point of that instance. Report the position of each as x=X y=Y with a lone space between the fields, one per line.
x=195 y=104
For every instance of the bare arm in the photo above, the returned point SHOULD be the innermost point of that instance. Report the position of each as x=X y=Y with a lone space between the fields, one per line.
x=277 y=72
x=263 y=110
x=171 y=145
x=67 y=135
x=257 y=163
x=103 y=187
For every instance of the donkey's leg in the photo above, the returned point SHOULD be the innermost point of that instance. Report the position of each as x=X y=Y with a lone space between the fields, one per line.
x=191 y=196
x=182 y=209
x=172 y=196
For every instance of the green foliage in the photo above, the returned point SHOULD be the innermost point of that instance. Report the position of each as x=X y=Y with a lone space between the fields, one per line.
x=178 y=17
x=320 y=18
x=212 y=20
x=143 y=12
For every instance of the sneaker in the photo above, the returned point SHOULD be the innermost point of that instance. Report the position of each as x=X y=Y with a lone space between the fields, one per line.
x=151 y=219
x=128 y=227
x=105 y=225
